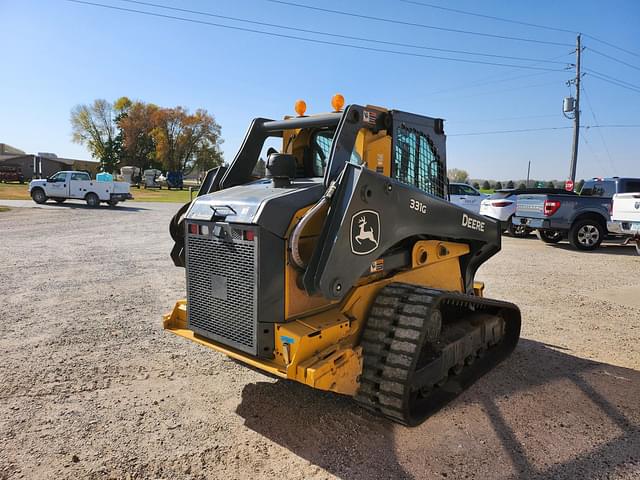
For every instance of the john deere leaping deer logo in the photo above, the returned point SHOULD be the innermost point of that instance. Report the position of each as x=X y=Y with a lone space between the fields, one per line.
x=365 y=232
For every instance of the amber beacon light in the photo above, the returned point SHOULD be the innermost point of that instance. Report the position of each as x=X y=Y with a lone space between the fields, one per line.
x=337 y=102
x=300 y=107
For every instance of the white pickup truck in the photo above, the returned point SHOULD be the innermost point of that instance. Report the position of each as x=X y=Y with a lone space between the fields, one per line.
x=625 y=217
x=78 y=185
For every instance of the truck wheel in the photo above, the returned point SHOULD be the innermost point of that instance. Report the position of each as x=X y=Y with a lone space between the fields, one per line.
x=38 y=196
x=518 y=231
x=112 y=203
x=92 y=200
x=549 y=236
x=586 y=234
x=638 y=246
x=59 y=200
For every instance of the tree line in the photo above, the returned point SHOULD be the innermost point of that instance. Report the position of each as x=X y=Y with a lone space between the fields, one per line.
x=145 y=135
x=462 y=176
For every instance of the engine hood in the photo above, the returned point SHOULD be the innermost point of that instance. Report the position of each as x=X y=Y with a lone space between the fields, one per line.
x=258 y=203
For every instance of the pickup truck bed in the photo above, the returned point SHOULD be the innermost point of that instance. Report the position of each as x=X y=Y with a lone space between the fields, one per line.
x=580 y=218
x=625 y=217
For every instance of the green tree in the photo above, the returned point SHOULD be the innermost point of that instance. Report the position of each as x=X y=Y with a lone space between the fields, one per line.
x=550 y=184
x=486 y=185
x=94 y=126
x=498 y=185
x=476 y=185
x=521 y=186
x=510 y=184
x=457 y=175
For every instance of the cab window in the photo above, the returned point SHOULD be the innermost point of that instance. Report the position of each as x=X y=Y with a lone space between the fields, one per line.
x=631 y=186
x=598 y=189
x=322 y=147
x=58 y=177
x=416 y=161
x=80 y=176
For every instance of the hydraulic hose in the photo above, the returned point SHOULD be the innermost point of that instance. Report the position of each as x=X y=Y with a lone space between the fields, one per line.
x=297 y=231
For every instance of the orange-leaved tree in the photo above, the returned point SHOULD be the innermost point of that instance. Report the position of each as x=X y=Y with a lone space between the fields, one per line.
x=184 y=141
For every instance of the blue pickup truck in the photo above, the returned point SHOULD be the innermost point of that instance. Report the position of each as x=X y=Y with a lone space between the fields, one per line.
x=580 y=218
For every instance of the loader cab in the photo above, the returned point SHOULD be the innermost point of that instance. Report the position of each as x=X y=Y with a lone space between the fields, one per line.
x=407 y=147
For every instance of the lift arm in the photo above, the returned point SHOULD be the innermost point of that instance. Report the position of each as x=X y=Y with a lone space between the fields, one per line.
x=371 y=213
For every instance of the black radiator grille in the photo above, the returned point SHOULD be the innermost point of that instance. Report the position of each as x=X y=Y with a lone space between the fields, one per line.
x=222 y=290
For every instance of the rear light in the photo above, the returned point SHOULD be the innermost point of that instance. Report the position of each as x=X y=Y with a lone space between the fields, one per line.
x=500 y=204
x=249 y=235
x=551 y=207
x=193 y=229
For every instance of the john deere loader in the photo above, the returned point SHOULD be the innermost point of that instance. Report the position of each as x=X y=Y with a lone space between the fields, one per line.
x=344 y=267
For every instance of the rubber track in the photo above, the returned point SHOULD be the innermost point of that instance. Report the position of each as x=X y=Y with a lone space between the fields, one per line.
x=399 y=324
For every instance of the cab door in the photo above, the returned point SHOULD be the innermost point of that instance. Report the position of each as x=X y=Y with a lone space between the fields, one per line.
x=471 y=198
x=58 y=185
x=79 y=184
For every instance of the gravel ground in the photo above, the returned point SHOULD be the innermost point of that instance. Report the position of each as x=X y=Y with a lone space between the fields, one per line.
x=93 y=388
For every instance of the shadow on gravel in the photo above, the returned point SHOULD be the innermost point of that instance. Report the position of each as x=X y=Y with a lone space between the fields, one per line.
x=84 y=206
x=604 y=249
x=537 y=389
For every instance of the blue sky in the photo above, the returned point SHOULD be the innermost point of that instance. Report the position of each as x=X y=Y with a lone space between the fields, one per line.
x=56 y=54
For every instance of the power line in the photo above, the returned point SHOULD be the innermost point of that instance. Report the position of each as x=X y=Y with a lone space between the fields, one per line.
x=509 y=20
x=491 y=17
x=507 y=131
x=311 y=40
x=621 y=85
x=494 y=132
x=595 y=119
x=612 y=78
x=421 y=25
x=613 y=126
x=595 y=154
x=612 y=45
x=337 y=35
x=488 y=81
x=613 y=58
x=503 y=90
x=485 y=120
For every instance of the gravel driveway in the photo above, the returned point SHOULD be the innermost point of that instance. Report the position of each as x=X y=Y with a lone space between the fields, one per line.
x=91 y=387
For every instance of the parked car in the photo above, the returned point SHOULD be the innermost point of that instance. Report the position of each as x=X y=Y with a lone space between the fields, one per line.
x=625 y=217
x=175 y=180
x=582 y=218
x=152 y=178
x=78 y=185
x=9 y=173
x=466 y=196
x=501 y=206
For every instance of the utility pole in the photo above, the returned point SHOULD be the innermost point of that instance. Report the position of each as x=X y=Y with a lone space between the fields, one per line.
x=528 y=172
x=576 y=115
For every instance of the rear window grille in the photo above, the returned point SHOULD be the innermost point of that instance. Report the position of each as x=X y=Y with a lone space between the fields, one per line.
x=416 y=161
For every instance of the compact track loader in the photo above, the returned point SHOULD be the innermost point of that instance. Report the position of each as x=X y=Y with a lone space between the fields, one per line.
x=345 y=268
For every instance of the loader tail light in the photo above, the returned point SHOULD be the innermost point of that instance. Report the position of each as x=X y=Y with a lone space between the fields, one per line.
x=551 y=207
x=193 y=229
x=249 y=235
x=500 y=204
